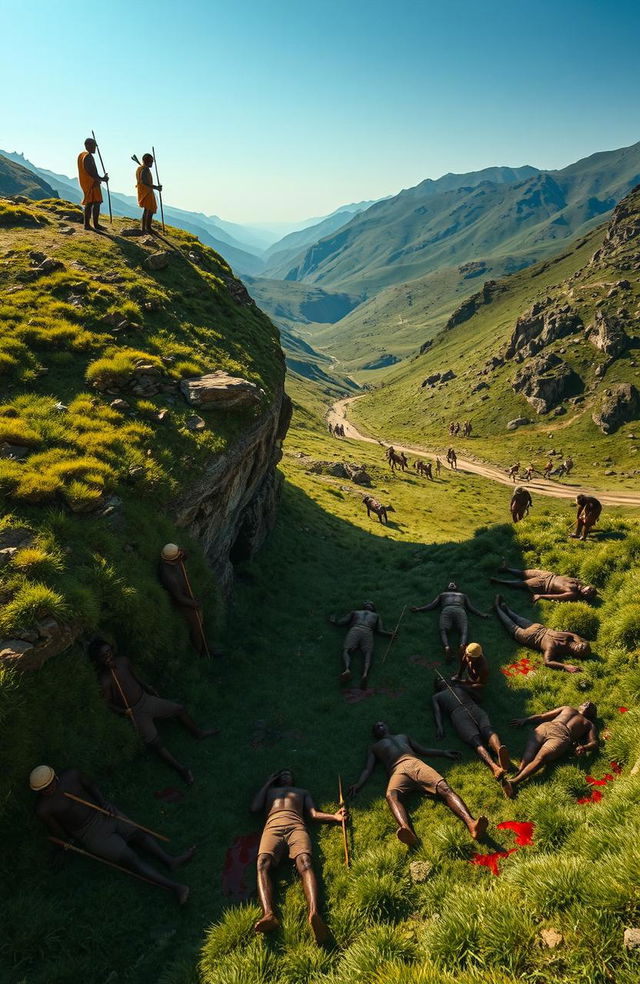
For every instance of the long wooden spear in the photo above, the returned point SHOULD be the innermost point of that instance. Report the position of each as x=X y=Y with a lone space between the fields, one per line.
x=96 y=857
x=198 y=611
x=344 y=826
x=153 y=151
x=393 y=636
x=104 y=171
x=118 y=816
x=124 y=699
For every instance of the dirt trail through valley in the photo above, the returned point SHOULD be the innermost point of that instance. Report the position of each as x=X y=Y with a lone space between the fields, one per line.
x=337 y=414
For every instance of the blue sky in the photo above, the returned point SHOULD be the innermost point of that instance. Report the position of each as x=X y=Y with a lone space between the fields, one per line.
x=264 y=110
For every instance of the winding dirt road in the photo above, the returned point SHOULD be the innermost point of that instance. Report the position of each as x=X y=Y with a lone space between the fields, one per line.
x=337 y=414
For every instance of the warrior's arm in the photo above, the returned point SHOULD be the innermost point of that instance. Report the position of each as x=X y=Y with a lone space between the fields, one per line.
x=421 y=750
x=555 y=664
x=380 y=629
x=564 y=596
x=364 y=775
x=427 y=608
x=177 y=593
x=539 y=718
x=592 y=741
x=438 y=716
x=472 y=609
x=337 y=817
x=146 y=178
x=345 y=620
x=258 y=802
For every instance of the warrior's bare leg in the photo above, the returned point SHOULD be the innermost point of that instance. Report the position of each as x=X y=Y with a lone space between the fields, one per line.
x=151 y=846
x=167 y=757
x=269 y=921
x=345 y=676
x=483 y=754
x=96 y=215
x=510 y=619
x=404 y=832
x=539 y=760
x=477 y=828
x=132 y=861
x=310 y=887
x=187 y=722
x=88 y=209
x=444 y=637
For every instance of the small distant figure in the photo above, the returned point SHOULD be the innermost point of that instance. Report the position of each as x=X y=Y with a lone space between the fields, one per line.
x=454 y=607
x=424 y=468
x=521 y=503
x=362 y=626
x=373 y=506
x=396 y=459
x=285 y=834
x=547 y=586
x=527 y=474
x=548 y=468
x=549 y=642
x=146 y=187
x=90 y=182
x=466 y=430
x=513 y=471
x=452 y=458
x=438 y=467
x=568 y=465
x=589 y=509
x=338 y=430
x=330 y=428
x=556 y=732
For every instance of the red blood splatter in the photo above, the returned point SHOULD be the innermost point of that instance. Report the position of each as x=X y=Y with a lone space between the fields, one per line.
x=623 y=710
x=616 y=767
x=239 y=856
x=599 y=782
x=595 y=797
x=523 y=831
x=520 y=667
x=490 y=861
x=169 y=795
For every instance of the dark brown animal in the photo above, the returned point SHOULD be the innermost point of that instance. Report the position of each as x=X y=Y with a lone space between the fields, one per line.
x=373 y=506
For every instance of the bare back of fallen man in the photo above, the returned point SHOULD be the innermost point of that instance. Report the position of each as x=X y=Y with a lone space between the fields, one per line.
x=556 y=732
x=547 y=586
x=285 y=832
x=407 y=773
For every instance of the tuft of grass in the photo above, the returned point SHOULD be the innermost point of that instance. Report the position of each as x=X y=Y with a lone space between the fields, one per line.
x=31 y=602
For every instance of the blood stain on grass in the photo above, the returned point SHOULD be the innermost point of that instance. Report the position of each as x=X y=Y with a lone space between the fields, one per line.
x=522 y=829
x=242 y=853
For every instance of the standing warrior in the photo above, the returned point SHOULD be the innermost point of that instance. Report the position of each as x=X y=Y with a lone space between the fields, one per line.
x=285 y=833
x=126 y=694
x=173 y=576
x=455 y=606
x=145 y=187
x=472 y=725
x=521 y=503
x=107 y=837
x=362 y=625
x=548 y=468
x=473 y=671
x=90 y=182
x=452 y=458
x=513 y=471
x=547 y=586
x=557 y=731
x=589 y=509
x=438 y=467
x=408 y=774
x=549 y=642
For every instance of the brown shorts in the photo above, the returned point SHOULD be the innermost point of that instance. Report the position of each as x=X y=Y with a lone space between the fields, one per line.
x=410 y=773
x=532 y=636
x=147 y=709
x=359 y=637
x=554 y=737
x=476 y=732
x=284 y=830
x=107 y=837
x=453 y=617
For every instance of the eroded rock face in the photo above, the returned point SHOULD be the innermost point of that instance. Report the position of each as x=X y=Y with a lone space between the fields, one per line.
x=157 y=261
x=220 y=391
x=47 y=638
x=233 y=506
x=545 y=382
x=540 y=326
x=620 y=404
x=608 y=335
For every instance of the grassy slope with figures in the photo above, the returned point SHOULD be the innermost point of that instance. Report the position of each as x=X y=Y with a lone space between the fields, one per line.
x=402 y=409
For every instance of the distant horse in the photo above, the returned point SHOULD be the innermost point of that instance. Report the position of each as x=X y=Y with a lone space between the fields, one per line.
x=373 y=506
x=424 y=468
x=397 y=460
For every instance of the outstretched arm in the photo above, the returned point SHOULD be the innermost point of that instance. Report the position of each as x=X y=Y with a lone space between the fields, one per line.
x=442 y=752
x=538 y=718
x=364 y=775
x=437 y=713
x=591 y=743
x=427 y=608
x=258 y=802
x=336 y=817
x=556 y=664
x=380 y=629
x=345 y=620
x=565 y=596
x=473 y=609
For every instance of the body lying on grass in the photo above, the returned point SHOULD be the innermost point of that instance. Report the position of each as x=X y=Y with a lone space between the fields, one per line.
x=556 y=732
x=547 y=586
x=549 y=642
x=284 y=833
x=472 y=725
x=109 y=837
x=362 y=626
x=125 y=693
x=407 y=773
x=454 y=606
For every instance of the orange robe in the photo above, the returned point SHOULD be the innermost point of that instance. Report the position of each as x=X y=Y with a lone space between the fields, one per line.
x=90 y=186
x=146 y=197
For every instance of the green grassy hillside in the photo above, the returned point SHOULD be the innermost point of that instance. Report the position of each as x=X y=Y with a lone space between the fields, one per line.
x=18 y=180
x=402 y=408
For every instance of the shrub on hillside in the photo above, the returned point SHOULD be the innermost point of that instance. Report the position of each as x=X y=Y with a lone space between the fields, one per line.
x=575 y=616
x=29 y=603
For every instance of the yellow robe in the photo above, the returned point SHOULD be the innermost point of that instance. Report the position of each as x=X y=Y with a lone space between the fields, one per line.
x=146 y=197
x=90 y=187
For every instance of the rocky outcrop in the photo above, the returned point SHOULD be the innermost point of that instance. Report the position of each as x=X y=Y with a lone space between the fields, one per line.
x=538 y=327
x=31 y=648
x=232 y=508
x=620 y=404
x=517 y=422
x=608 y=335
x=621 y=244
x=220 y=391
x=466 y=310
x=157 y=261
x=545 y=382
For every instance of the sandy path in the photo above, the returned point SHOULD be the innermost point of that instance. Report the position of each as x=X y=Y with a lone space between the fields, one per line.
x=337 y=414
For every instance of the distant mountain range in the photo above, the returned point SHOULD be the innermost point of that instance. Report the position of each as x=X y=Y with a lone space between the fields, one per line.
x=18 y=180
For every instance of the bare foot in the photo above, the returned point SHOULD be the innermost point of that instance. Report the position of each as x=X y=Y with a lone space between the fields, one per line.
x=318 y=928
x=498 y=773
x=503 y=757
x=267 y=924
x=183 y=859
x=187 y=776
x=208 y=732
x=406 y=836
x=478 y=828
x=345 y=676
x=507 y=788
x=182 y=893
x=87 y=228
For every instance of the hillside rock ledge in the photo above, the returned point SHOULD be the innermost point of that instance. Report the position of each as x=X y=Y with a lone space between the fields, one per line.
x=232 y=508
x=220 y=391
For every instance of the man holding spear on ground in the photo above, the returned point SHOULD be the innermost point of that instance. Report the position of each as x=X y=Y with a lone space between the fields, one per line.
x=73 y=808
x=173 y=576
x=90 y=182
x=146 y=187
